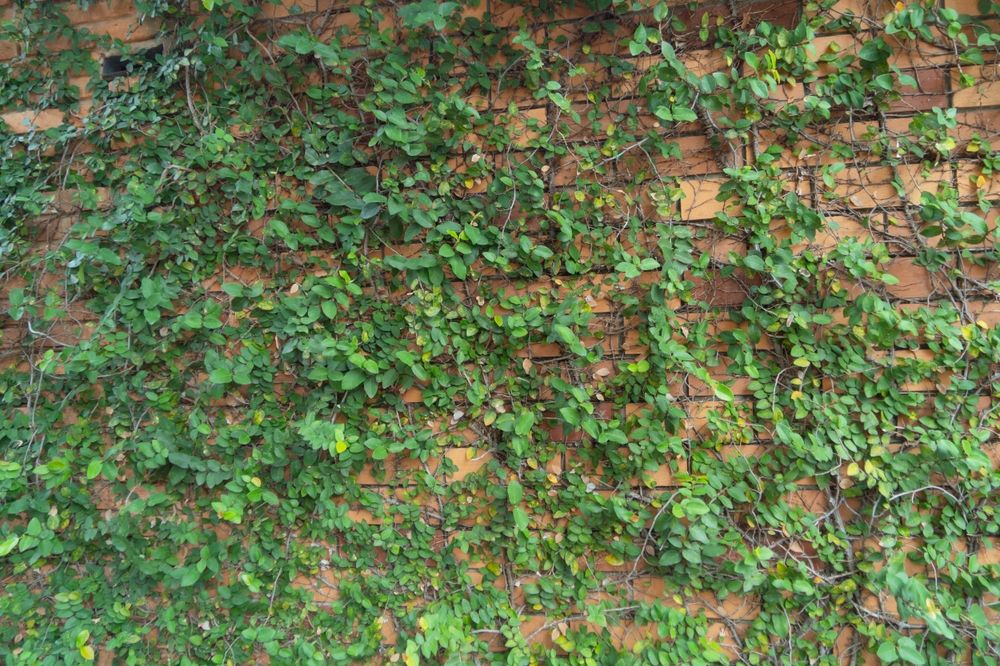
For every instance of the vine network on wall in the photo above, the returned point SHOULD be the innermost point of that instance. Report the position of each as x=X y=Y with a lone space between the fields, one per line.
x=558 y=332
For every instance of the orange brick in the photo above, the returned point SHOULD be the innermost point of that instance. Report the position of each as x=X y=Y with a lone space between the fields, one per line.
x=8 y=50
x=22 y=122
x=967 y=7
x=973 y=183
x=914 y=281
x=322 y=585
x=699 y=201
x=986 y=311
x=907 y=54
x=126 y=29
x=985 y=92
x=98 y=10
x=274 y=10
x=504 y=15
x=468 y=460
x=521 y=126
x=875 y=9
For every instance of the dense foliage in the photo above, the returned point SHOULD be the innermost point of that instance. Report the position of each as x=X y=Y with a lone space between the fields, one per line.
x=392 y=332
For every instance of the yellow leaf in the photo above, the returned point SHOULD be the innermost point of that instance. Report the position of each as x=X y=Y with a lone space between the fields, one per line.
x=853 y=469
x=801 y=362
x=87 y=652
x=340 y=446
x=614 y=560
x=981 y=181
x=932 y=608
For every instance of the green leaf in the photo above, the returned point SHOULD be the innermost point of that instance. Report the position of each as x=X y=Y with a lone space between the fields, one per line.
x=524 y=423
x=190 y=577
x=691 y=507
x=220 y=376
x=754 y=262
x=520 y=518
x=908 y=651
x=887 y=652
x=683 y=114
x=352 y=380
x=569 y=338
x=94 y=468
x=515 y=493
x=722 y=391
x=8 y=544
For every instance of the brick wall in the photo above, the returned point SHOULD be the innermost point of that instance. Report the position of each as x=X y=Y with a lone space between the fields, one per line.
x=867 y=205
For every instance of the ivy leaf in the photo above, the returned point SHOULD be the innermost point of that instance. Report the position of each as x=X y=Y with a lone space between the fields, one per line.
x=754 y=262
x=691 y=507
x=220 y=376
x=683 y=114
x=629 y=269
x=8 y=544
x=190 y=577
x=352 y=380
x=569 y=338
x=525 y=421
x=520 y=519
x=887 y=652
x=570 y=415
x=722 y=391
x=515 y=493
x=94 y=468
x=907 y=650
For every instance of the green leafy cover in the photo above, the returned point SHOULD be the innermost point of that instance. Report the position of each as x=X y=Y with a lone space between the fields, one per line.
x=340 y=356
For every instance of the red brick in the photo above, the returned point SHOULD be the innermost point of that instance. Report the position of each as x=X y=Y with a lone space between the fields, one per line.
x=931 y=91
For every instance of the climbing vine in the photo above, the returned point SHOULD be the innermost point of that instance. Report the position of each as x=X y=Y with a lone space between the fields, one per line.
x=498 y=332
